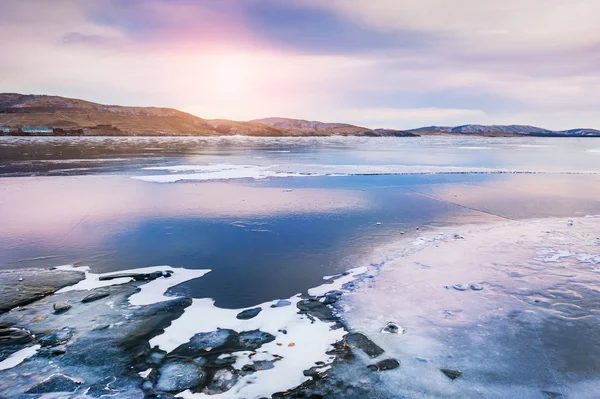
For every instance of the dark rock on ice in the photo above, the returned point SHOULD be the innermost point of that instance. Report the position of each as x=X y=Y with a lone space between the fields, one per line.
x=332 y=297
x=251 y=340
x=452 y=373
x=459 y=287
x=222 y=381
x=61 y=307
x=138 y=276
x=281 y=303
x=393 y=328
x=364 y=343
x=58 y=337
x=387 y=364
x=56 y=383
x=10 y=336
x=248 y=313
x=51 y=351
x=22 y=287
x=94 y=296
x=552 y=394
x=179 y=376
x=316 y=309
x=476 y=287
x=207 y=342
x=103 y=388
x=13 y=340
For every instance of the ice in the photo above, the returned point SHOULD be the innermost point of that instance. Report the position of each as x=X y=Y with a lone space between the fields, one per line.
x=176 y=173
x=536 y=314
x=18 y=357
x=338 y=283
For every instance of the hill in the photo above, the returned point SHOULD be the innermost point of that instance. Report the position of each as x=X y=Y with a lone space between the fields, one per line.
x=23 y=114
x=35 y=114
x=504 y=130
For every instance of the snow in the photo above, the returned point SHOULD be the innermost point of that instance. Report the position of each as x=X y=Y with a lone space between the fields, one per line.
x=146 y=373
x=311 y=341
x=150 y=293
x=18 y=357
x=306 y=340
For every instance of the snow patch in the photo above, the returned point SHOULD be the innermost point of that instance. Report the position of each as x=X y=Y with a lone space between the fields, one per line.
x=18 y=357
x=150 y=293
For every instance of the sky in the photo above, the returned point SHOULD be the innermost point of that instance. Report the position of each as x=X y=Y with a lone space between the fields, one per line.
x=385 y=63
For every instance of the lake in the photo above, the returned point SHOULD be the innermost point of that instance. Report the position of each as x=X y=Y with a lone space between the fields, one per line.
x=269 y=216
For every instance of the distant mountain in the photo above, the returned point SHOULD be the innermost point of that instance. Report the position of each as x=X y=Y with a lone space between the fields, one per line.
x=39 y=114
x=504 y=130
x=315 y=128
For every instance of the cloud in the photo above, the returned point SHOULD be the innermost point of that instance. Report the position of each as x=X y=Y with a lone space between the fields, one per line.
x=398 y=63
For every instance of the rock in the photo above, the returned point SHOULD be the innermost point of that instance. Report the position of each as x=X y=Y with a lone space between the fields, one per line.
x=363 y=342
x=94 y=296
x=459 y=287
x=10 y=336
x=103 y=388
x=56 y=383
x=393 y=328
x=13 y=340
x=61 y=307
x=35 y=284
x=552 y=394
x=248 y=313
x=281 y=303
x=200 y=344
x=332 y=297
x=177 y=377
x=452 y=373
x=222 y=381
x=316 y=309
x=138 y=276
x=476 y=287
x=223 y=361
x=387 y=364
x=458 y=237
x=101 y=327
x=252 y=340
x=58 y=337
x=570 y=223
x=51 y=351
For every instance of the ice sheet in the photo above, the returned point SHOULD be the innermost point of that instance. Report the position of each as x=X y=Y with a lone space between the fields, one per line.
x=176 y=173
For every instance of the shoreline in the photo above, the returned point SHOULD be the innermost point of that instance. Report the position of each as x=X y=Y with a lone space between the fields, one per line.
x=411 y=282
x=537 y=279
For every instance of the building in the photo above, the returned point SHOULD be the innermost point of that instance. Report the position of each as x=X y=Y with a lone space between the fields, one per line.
x=37 y=131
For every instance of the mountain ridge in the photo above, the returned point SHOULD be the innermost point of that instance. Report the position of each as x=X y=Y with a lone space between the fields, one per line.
x=70 y=116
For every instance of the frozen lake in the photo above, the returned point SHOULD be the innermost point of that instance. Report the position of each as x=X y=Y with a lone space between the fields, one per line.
x=271 y=217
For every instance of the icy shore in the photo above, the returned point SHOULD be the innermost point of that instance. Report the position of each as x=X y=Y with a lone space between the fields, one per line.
x=513 y=305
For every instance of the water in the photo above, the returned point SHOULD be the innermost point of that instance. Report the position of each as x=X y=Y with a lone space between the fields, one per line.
x=74 y=200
